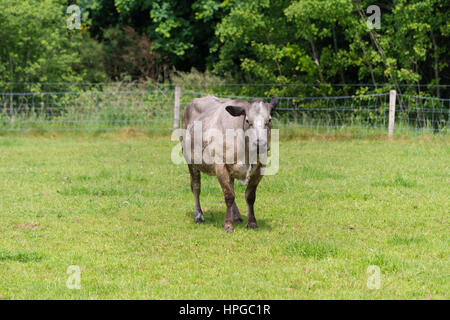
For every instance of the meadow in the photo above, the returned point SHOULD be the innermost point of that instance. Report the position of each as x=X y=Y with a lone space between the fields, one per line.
x=116 y=206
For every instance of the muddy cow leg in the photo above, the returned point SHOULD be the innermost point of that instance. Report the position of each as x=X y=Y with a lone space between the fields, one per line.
x=250 y=197
x=236 y=214
x=195 y=187
x=224 y=179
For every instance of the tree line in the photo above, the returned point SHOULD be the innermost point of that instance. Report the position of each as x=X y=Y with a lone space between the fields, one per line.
x=319 y=47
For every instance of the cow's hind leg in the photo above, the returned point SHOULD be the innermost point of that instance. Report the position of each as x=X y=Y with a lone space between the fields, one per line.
x=195 y=187
x=236 y=214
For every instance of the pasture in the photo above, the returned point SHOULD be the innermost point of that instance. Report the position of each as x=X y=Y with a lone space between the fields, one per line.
x=116 y=206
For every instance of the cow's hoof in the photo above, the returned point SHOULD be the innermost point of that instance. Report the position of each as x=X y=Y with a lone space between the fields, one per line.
x=238 y=219
x=199 y=217
x=228 y=228
x=252 y=225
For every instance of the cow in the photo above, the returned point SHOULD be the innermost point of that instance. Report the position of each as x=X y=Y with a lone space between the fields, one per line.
x=221 y=116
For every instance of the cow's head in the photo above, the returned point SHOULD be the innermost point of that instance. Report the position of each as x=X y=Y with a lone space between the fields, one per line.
x=257 y=117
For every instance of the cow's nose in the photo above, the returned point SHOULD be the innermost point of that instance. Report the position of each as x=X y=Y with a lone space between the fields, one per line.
x=262 y=144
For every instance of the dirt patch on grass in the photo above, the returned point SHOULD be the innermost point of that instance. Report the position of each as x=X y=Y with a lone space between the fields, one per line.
x=127 y=133
x=27 y=226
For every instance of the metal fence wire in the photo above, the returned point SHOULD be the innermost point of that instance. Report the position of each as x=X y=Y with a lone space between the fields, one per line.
x=154 y=109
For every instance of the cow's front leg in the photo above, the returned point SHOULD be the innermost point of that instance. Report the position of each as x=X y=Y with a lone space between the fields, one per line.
x=250 y=197
x=195 y=187
x=224 y=179
x=236 y=214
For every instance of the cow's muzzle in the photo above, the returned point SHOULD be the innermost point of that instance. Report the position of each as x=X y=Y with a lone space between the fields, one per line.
x=261 y=145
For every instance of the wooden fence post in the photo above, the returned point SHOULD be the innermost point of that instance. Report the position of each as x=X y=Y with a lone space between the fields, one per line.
x=392 y=98
x=176 y=109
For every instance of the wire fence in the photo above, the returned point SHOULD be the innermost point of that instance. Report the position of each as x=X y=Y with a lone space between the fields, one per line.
x=154 y=109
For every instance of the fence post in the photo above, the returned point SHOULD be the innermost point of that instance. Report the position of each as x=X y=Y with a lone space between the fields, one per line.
x=392 y=98
x=176 y=109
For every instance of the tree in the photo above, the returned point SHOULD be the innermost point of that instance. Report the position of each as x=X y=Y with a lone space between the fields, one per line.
x=37 y=46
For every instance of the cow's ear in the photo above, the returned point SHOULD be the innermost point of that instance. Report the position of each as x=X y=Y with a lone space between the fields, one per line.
x=273 y=103
x=235 y=111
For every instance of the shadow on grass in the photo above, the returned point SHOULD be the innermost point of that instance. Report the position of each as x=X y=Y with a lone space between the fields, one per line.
x=216 y=218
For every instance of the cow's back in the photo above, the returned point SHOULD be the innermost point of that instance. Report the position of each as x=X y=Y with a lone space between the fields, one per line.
x=210 y=110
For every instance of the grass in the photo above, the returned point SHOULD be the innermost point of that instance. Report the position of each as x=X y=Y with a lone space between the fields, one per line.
x=114 y=204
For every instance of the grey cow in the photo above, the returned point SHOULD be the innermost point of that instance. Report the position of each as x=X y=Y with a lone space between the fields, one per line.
x=221 y=116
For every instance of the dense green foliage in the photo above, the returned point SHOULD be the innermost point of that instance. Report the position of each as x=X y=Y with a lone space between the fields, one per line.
x=323 y=46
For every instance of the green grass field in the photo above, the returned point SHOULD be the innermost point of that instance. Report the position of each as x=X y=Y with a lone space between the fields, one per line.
x=115 y=205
